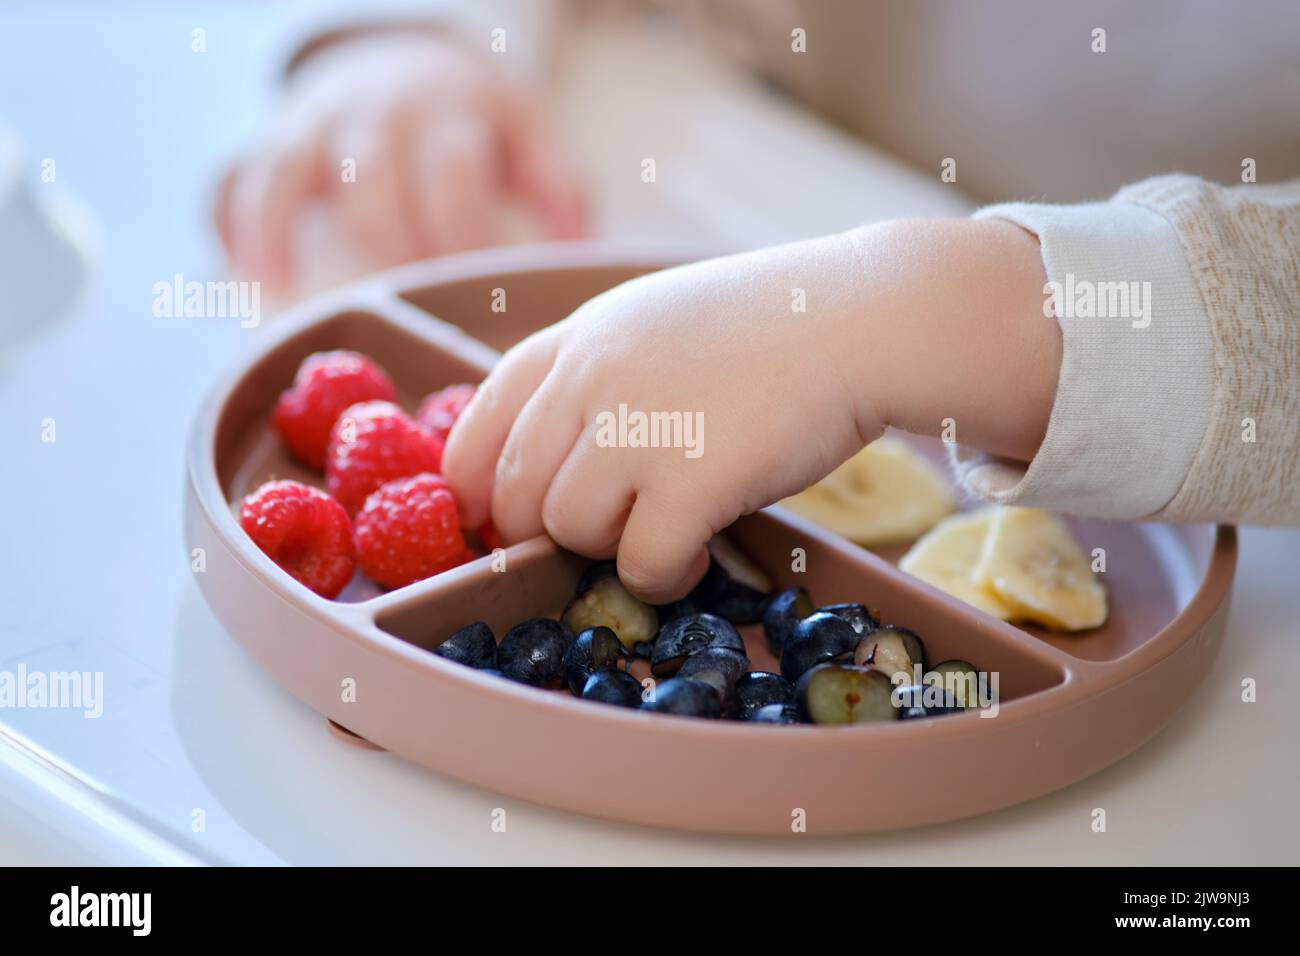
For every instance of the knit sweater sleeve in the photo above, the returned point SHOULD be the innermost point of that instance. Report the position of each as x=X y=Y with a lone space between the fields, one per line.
x=1179 y=391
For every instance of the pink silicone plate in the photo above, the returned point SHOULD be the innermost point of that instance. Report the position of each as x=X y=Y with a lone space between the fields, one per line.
x=1070 y=705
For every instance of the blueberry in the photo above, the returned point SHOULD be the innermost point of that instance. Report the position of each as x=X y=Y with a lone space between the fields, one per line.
x=721 y=668
x=759 y=689
x=891 y=650
x=613 y=687
x=742 y=596
x=731 y=664
x=686 y=636
x=844 y=694
x=532 y=652
x=817 y=639
x=686 y=697
x=783 y=614
x=864 y=620
x=733 y=588
x=924 y=700
x=959 y=678
x=595 y=649
x=473 y=645
x=776 y=714
x=602 y=601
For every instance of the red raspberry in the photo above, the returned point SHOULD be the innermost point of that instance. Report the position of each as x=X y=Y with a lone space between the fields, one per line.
x=326 y=383
x=375 y=442
x=490 y=536
x=304 y=531
x=439 y=411
x=409 y=530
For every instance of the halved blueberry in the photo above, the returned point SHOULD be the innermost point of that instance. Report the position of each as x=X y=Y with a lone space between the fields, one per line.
x=844 y=694
x=602 y=601
x=892 y=650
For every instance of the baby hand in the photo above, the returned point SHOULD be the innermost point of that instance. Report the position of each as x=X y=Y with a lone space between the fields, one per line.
x=436 y=135
x=766 y=370
x=737 y=364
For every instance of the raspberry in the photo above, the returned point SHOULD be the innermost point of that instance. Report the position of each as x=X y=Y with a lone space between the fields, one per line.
x=439 y=411
x=490 y=536
x=304 y=531
x=375 y=442
x=409 y=530
x=326 y=383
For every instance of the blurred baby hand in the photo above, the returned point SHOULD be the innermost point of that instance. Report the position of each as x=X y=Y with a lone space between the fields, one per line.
x=436 y=138
x=755 y=396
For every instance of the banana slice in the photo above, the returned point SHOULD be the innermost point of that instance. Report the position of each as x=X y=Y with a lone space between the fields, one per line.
x=1036 y=568
x=885 y=494
x=947 y=555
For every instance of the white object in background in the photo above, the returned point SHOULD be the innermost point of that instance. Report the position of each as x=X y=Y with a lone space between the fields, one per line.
x=44 y=248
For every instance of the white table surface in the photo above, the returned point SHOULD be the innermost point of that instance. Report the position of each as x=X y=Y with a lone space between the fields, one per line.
x=96 y=573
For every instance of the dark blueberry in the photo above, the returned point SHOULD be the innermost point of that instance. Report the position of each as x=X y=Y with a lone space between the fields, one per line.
x=783 y=614
x=532 y=652
x=473 y=645
x=733 y=587
x=719 y=667
x=731 y=664
x=959 y=678
x=864 y=621
x=702 y=599
x=595 y=649
x=892 y=650
x=744 y=597
x=817 y=639
x=759 y=689
x=686 y=697
x=613 y=687
x=844 y=694
x=686 y=636
x=602 y=601
x=776 y=714
x=924 y=700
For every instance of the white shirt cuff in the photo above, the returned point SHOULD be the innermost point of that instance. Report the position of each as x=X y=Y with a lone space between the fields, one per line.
x=1137 y=372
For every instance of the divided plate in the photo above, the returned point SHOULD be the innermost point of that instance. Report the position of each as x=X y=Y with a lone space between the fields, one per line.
x=1070 y=705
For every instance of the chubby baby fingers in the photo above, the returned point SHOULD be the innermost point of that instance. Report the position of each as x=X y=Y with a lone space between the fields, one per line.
x=469 y=461
x=664 y=549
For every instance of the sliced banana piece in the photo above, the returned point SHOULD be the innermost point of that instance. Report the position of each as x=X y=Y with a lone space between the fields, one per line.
x=885 y=494
x=1036 y=568
x=948 y=553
